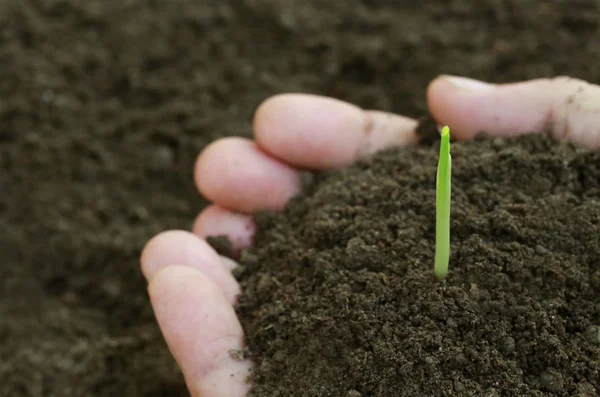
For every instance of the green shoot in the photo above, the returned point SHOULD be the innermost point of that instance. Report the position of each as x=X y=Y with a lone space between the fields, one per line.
x=442 y=226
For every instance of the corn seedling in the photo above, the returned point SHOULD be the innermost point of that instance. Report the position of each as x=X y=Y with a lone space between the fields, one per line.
x=442 y=226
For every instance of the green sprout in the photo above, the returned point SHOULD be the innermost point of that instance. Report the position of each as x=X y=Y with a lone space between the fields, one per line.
x=442 y=226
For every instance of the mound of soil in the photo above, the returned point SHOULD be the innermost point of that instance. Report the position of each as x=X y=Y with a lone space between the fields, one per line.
x=339 y=297
x=104 y=106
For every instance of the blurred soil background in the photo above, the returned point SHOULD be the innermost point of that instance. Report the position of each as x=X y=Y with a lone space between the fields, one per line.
x=104 y=106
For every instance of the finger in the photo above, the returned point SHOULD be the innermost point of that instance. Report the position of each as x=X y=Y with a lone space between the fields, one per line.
x=217 y=221
x=201 y=330
x=235 y=174
x=184 y=248
x=319 y=133
x=567 y=108
x=229 y=263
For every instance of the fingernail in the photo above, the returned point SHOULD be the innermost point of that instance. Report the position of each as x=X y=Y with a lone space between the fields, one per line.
x=467 y=84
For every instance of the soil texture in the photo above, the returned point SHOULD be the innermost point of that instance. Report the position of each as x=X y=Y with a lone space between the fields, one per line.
x=104 y=106
x=340 y=299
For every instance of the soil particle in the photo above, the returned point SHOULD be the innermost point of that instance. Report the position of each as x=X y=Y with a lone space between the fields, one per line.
x=222 y=245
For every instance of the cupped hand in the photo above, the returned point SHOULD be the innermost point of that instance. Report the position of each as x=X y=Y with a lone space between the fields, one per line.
x=191 y=287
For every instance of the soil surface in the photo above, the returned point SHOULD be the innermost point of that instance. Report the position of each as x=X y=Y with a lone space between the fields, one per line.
x=340 y=298
x=105 y=104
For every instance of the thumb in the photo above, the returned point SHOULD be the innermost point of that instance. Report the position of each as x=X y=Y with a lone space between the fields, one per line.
x=564 y=107
x=201 y=330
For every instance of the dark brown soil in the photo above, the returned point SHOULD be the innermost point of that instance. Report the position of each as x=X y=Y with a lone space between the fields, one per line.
x=340 y=297
x=105 y=104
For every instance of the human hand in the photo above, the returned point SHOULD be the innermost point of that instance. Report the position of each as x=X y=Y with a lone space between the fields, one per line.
x=191 y=287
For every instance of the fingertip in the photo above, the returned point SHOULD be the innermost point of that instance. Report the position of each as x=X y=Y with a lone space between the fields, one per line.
x=168 y=278
x=446 y=105
x=217 y=221
x=151 y=257
x=174 y=247
x=177 y=247
x=229 y=263
x=235 y=174
x=208 y=169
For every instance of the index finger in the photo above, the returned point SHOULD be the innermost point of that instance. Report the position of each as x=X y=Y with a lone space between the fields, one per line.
x=319 y=133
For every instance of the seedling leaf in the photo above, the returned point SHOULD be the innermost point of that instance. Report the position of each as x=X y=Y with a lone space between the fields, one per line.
x=442 y=227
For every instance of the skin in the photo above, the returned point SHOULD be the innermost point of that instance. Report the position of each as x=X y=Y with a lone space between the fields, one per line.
x=190 y=286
